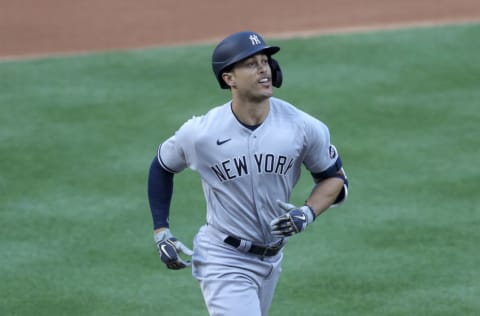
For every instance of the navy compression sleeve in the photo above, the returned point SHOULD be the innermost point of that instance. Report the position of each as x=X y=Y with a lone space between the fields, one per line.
x=160 y=190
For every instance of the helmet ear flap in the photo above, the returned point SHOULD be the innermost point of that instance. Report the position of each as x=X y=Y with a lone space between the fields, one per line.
x=277 y=76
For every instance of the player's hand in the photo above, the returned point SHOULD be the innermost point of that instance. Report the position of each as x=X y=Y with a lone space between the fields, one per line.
x=293 y=222
x=169 y=249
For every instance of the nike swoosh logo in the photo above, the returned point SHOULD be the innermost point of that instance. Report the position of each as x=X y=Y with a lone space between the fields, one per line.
x=303 y=218
x=221 y=142
x=164 y=250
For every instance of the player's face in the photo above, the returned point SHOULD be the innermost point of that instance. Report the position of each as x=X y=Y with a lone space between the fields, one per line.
x=253 y=77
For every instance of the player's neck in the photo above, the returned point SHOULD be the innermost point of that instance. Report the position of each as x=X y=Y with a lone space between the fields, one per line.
x=251 y=113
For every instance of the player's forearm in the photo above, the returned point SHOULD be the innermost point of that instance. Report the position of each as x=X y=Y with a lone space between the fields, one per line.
x=160 y=190
x=324 y=194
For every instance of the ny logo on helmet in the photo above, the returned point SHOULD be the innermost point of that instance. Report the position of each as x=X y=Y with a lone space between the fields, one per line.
x=254 y=39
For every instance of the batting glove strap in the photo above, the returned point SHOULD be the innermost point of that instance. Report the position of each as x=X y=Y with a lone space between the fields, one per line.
x=312 y=212
x=162 y=236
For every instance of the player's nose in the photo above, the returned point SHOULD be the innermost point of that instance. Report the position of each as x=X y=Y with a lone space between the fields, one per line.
x=263 y=69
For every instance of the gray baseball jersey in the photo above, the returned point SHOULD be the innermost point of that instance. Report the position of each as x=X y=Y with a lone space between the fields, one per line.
x=245 y=171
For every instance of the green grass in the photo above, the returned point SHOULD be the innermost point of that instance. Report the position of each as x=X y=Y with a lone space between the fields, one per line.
x=77 y=135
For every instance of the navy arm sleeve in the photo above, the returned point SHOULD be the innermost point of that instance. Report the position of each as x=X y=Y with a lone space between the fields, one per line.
x=160 y=190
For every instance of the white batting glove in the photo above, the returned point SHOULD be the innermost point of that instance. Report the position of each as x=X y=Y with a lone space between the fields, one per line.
x=293 y=222
x=169 y=249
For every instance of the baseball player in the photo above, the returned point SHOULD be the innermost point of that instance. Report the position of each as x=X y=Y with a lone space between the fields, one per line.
x=248 y=153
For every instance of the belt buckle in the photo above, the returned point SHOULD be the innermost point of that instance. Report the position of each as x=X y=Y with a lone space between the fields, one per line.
x=274 y=248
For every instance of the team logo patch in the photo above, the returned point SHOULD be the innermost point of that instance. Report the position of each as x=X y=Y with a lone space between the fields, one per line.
x=332 y=152
x=254 y=39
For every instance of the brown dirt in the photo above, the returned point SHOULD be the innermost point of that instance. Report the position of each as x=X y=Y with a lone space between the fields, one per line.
x=32 y=28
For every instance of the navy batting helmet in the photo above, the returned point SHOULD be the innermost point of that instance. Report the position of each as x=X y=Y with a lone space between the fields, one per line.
x=239 y=46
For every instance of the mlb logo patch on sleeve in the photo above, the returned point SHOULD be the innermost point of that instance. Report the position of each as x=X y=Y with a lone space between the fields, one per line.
x=332 y=152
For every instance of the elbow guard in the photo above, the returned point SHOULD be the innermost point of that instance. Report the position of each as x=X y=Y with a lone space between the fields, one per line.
x=342 y=196
x=335 y=171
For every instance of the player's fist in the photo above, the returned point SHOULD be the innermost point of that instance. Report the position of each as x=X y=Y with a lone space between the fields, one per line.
x=293 y=222
x=169 y=249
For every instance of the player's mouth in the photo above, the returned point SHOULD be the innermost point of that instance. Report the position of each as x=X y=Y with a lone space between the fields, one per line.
x=264 y=82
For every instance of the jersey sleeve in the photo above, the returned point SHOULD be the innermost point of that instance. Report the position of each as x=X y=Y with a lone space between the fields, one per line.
x=321 y=156
x=174 y=153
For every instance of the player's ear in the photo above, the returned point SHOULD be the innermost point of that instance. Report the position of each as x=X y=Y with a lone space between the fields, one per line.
x=229 y=79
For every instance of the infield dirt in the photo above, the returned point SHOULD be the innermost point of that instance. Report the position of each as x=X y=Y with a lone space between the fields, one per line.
x=31 y=28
